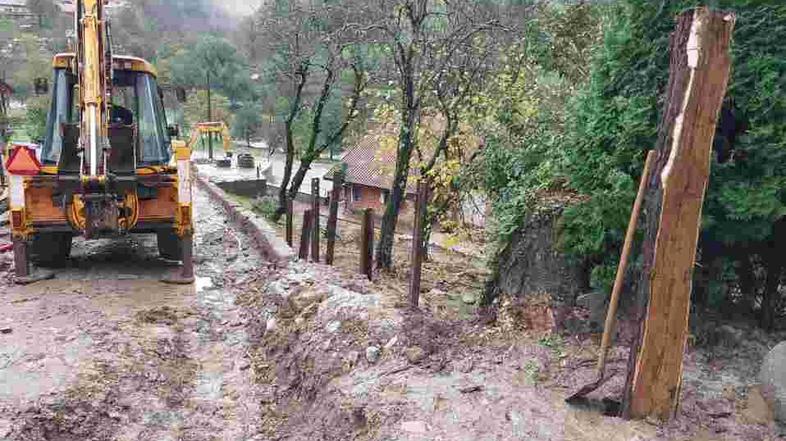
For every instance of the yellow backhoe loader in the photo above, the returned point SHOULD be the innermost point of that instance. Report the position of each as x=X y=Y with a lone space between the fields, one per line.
x=108 y=166
x=213 y=128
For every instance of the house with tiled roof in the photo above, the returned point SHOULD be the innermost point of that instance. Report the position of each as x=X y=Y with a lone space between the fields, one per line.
x=369 y=166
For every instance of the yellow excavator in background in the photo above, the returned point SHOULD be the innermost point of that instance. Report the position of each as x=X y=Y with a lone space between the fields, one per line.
x=212 y=128
x=108 y=165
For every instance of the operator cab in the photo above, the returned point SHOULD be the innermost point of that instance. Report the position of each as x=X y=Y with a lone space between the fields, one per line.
x=138 y=133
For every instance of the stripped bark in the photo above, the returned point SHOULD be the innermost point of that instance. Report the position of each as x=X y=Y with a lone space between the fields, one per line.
x=698 y=78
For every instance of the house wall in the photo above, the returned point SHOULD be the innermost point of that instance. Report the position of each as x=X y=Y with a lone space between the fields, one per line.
x=370 y=197
x=360 y=197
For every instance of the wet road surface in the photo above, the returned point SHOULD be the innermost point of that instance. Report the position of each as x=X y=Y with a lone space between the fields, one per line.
x=106 y=351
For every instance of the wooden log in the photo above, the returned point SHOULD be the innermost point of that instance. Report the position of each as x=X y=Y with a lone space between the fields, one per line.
x=367 y=243
x=332 y=222
x=418 y=248
x=315 y=222
x=305 y=235
x=699 y=72
x=288 y=222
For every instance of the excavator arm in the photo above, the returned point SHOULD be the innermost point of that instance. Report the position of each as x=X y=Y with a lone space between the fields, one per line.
x=94 y=67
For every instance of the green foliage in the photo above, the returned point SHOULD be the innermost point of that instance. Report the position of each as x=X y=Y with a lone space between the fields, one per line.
x=596 y=146
x=267 y=207
x=554 y=342
x=195 y=108
x=532 y=372
x=247 y=120
x=523 y=112
x=35 y=117
x=190 y=66
x=33 y=64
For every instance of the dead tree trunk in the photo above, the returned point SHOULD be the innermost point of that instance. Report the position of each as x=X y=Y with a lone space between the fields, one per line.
x=699 y=72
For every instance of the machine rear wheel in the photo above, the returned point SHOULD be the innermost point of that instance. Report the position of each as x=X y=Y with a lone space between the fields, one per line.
x=169 y=245
x=51 y=248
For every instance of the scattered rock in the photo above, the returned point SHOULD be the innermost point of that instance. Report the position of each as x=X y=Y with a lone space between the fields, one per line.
x=342 y=301
x=359 y=419
x=469 y=298
x=392 y=342
x=756 y=410
x=717 y=408
x=415 y=354
x=437 y=293
x=244 y=365
x=595 y=303
x=414 y=427
x=372 y=354
x=773 y=380
x=333 y=326
x=471 y=389
x=352 y=357
x=5 y=428
x=6 y=330
x=271 y=325
x=306 y=298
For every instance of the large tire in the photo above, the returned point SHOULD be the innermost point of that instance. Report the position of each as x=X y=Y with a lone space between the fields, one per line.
x=51 y=249
x=169 y=245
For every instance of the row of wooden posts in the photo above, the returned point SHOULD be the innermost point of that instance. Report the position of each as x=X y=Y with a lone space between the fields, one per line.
x=675 y=189
x=310 y=234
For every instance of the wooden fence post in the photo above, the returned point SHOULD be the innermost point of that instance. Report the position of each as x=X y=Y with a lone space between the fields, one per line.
x=315 y=222
x=288 y=221
x=367 y=243
x=261 y=188
x=305 y=235
x=418 y=247
x=332 y=222
x=699 y=72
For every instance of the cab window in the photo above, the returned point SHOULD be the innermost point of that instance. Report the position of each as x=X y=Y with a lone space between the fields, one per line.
x=135 y=102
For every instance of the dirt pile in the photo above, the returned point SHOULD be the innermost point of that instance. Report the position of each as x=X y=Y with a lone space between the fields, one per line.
x=502 y=377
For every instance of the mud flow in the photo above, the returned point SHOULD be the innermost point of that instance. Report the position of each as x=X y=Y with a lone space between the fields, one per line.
x=105 y=351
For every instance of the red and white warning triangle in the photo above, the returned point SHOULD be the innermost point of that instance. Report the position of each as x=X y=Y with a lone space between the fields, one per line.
x=23 y=162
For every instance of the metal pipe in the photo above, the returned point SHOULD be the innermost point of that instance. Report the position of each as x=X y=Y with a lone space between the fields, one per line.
x=91 y=115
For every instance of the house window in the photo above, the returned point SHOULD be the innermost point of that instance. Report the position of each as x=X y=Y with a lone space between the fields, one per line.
x=383 y=196
x=356 y=193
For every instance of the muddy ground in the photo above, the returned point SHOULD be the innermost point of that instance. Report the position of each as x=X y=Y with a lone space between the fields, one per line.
x=105 y=351
x=251 y=352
